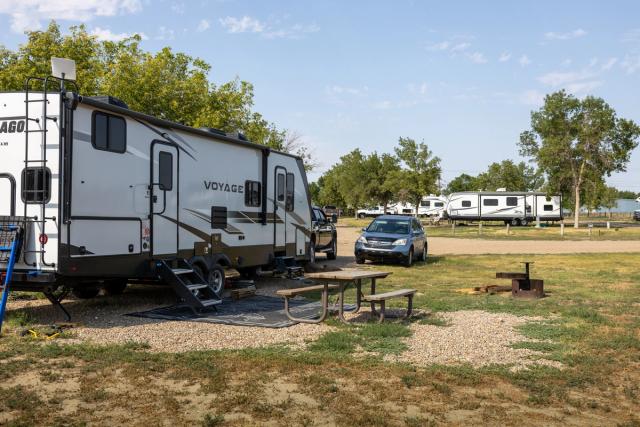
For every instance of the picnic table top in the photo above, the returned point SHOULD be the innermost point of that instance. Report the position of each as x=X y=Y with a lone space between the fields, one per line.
x=347 y=275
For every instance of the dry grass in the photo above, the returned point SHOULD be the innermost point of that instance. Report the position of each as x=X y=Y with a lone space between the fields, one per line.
x=591 y=326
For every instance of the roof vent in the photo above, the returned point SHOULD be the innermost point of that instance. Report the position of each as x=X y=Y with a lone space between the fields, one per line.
x=112 y=100
x=237 y=135
x=213 y=130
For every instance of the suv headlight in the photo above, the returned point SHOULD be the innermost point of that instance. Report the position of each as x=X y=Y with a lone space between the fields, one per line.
x=400 y=242
x=362 y=239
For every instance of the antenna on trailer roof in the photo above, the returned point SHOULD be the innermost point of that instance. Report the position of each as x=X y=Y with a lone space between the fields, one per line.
x=63 y=68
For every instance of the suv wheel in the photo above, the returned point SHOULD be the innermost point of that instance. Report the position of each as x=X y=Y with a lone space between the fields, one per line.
x=409 y=259
x=359 y=260
x=423 y=256
x=331 y=254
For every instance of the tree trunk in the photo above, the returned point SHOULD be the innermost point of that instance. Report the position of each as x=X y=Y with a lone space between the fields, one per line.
x=576 y=212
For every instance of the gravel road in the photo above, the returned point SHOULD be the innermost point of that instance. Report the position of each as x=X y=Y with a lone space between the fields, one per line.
x=455 y=246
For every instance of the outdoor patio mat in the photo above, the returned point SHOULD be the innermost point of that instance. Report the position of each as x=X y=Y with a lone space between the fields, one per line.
x=259 y=310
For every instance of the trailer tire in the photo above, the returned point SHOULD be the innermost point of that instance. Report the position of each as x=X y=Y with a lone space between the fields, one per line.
x=115 y=286
x=86 y=292
x=213 y=276
x=362 y=215
x=312 y=251
x=524 y=222
x=515 y=222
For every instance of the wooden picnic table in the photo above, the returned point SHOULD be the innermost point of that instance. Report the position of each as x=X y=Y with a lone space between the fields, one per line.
x=344 y=278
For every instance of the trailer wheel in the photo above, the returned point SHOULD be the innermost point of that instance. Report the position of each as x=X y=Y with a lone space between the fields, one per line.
x=515 y=222
x=362 y=215
x=86 y=291
x=114 y=287
x=524 y=222
x=312 y=252
x=214 y=277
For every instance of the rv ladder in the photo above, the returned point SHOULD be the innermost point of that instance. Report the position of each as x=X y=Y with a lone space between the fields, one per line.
x=187 y=284
x=10 y=236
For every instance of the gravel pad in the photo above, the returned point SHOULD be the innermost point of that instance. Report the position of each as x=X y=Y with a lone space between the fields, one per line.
x=260 y=310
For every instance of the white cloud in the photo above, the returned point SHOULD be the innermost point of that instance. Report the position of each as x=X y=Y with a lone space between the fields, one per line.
x=609 y=64
x=382 y=105
x=532 y=97
x=504 y=57
x=246 y=24
x=566 y=62
x=29 y=14
x=178 y=7
x=632 y=36
x=524 y=61
x=418 y=89
x=203 y=25
x=477 y=58
x=459 y=47
x=565 y=36
x=107 y=35
x=583 y=87
x=574 y=82
x=165 y=33
x=631 y=64
x=439 y=46
x=340 y=90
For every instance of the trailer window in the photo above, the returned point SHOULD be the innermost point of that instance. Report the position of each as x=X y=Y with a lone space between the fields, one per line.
x=252 y=193
x=440 y=204
x=548 y=208
x=36 y=185
x=425 y=203
x=290 y=191
x=466 y=203
x=109 y=133
x=165 y=170
x=218 y=217
x=512 y=201
x=280 y=188
x=490 y=202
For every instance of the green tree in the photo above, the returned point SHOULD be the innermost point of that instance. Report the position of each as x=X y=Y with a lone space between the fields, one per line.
x=166 y=84
x=419 y=173
x=574 y=140
x=379 y=168
x=626 y=194
x=510 y=176
x=462 y=182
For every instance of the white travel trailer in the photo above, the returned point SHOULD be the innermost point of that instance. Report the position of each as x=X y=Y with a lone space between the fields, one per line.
x=105 y=194
x=516 y=208
x=432 y=206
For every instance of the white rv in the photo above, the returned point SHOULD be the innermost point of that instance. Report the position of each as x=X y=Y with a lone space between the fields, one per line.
x=431 y=206
x=107 y=194
x=516 y=208
x=373 y=211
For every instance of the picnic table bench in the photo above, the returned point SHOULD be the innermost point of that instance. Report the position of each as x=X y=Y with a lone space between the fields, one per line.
x=290 y=293
x=382 y=298
x=340 y=280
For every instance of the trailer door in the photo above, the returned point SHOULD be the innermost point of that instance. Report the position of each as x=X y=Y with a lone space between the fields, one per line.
x=164 y=199
x=279 y=210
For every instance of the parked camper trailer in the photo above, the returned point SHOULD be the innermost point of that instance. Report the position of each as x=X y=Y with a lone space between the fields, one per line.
x=106 y=194
x=516 y=208
x=432 y=206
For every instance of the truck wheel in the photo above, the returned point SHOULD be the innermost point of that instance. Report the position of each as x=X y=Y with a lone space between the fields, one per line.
x=114 y=287
x=86 y=291
x=331 y=255
x=312 y=252
x=359 y=260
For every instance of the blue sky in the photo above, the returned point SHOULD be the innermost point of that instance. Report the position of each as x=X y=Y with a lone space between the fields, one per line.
x=462 y=76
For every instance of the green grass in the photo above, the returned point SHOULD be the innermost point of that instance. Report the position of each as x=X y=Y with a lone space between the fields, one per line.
x=494 y=230
x=589 y=322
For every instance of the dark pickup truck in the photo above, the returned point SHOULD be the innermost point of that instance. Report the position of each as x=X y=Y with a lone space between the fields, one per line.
x=324 y=237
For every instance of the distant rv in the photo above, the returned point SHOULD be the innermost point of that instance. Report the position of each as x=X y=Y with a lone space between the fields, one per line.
x=515 y=208
x=432 y=206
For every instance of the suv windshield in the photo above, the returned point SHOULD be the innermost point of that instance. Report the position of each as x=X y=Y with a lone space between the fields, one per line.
x=389 y=226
